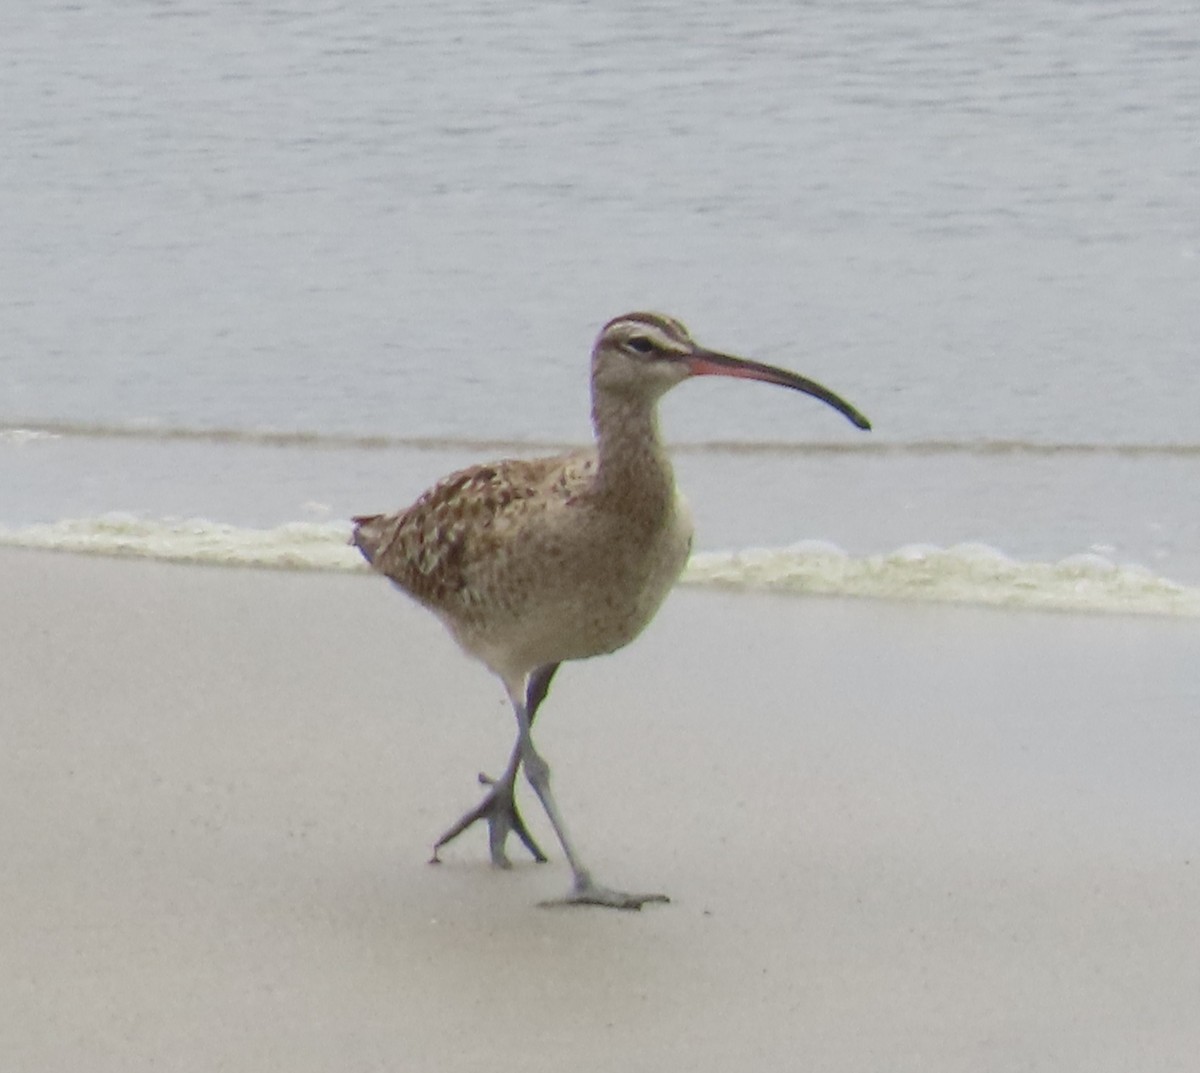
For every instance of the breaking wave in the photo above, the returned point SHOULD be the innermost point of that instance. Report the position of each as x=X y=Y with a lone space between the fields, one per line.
x=966 y=573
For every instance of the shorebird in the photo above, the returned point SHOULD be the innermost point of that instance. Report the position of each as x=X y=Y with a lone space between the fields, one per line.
x=533 y=562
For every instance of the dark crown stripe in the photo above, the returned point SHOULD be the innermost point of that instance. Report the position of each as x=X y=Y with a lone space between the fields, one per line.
x=669 y=326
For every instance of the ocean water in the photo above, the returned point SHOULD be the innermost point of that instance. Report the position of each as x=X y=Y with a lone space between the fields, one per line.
x=267 y=266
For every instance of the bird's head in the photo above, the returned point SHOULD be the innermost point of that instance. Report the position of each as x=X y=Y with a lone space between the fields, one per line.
x=647 y=354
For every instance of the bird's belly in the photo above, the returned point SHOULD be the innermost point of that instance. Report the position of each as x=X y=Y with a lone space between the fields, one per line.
x=581 y=605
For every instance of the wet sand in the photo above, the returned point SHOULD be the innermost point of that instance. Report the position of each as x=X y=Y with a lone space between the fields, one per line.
x=897 y=837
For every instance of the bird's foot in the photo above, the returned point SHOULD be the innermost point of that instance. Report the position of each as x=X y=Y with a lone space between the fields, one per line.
x=499 y=808
x=587 y=892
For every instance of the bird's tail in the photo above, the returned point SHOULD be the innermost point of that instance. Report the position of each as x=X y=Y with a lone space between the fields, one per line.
x=368 y=535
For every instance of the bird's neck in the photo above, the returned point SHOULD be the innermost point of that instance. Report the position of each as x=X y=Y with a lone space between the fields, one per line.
x=634 y=471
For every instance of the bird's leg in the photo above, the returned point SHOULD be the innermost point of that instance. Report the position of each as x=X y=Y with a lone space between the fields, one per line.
x=499 y=806
x=499 y=809
x=584 y=890
x=538 y=687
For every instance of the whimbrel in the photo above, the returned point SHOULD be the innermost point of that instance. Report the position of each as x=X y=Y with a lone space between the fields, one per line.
x=532 y=562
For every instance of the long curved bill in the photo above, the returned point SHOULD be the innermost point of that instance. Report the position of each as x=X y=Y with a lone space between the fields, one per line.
x=711 y=363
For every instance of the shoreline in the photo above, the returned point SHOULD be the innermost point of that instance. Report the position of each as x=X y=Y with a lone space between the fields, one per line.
x=967 y=575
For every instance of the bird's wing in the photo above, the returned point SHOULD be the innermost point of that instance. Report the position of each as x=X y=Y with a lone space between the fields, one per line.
x=465 y=519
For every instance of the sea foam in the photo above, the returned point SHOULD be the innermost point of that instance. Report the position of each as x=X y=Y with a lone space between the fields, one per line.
x=964 y=573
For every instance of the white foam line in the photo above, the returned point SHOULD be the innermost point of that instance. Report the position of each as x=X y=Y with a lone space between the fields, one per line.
x=296 y=546
x=967 y=573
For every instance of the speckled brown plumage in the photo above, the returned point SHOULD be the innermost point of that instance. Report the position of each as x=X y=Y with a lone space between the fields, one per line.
x=435 y=548
x=533 y=561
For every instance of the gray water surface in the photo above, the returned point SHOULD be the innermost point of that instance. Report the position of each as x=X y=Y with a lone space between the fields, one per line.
x=977 y=221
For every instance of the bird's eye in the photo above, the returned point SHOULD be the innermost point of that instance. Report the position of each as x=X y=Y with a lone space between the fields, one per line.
x=641 y=344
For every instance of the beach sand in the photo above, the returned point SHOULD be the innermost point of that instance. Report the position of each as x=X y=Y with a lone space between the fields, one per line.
x=897 y=837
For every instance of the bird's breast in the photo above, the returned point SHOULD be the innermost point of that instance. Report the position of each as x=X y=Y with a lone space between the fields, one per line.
x=583 y=586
